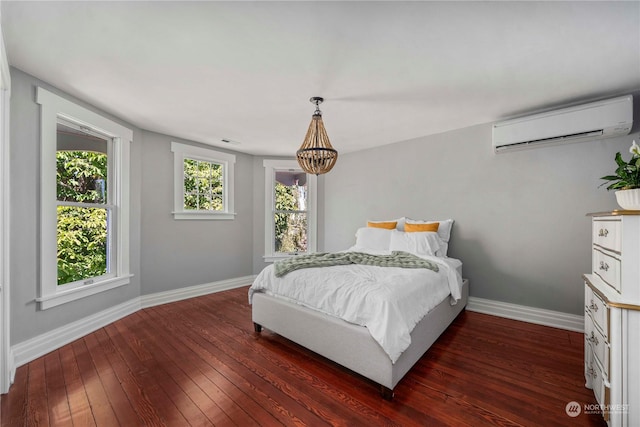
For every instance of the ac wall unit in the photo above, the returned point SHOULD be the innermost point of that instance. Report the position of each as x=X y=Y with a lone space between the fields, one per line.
x=601 y=119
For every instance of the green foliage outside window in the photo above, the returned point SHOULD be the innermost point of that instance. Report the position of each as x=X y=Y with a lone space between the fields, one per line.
x=203 y=185
x=82 y=243
x=81 y=231
x=290 y=226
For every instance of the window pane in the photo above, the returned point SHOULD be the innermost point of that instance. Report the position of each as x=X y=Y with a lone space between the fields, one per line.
x=190 y=202
x=216 y=203
x=204 y=171
x=203 y=185
x=291 y=191
x=290 y=232
x=82 y=243
x=81 y=166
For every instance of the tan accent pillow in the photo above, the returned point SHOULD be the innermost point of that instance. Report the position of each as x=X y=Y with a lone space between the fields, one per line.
x=391 y=225
x=410 y=228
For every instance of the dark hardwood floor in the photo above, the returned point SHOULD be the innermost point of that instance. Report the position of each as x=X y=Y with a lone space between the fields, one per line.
x=198 y=362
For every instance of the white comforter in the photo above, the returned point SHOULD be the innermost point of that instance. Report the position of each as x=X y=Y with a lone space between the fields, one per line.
x=388 y=301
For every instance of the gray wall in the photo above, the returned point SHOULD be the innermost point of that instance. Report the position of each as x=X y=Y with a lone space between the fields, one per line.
x=26 y=320
x=180 y=253
x=520 y=231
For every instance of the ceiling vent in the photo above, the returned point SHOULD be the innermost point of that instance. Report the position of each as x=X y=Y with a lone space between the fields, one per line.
x=597 y=120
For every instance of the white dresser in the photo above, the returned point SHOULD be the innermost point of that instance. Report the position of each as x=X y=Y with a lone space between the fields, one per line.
x=612 y=317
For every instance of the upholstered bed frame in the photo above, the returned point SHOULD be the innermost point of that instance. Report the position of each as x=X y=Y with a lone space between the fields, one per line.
x=351 y=345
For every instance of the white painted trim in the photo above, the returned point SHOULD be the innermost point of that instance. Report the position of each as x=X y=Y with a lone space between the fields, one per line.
x=33 y=348
x=53 y=108
x=6 y=357
x=228 y=161
x=271 y=166
x=73 y=294
x=539 y=316
x=275 y=258
x=195 y=215
x=194 y=291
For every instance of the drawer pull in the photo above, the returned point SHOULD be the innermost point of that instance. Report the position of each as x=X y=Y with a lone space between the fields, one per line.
x=593 y=306
x=603 y=232
x=593 y=339
x=604 y=266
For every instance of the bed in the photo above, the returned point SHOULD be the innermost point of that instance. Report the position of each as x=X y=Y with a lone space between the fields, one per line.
x=379 y=336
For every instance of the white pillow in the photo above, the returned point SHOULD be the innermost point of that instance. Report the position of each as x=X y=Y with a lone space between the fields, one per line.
x=377 y=239
x=419 y=243
x=444 y=229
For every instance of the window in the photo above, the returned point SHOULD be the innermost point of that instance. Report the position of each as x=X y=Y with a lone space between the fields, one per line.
x=203 y=183
x=84 y=202
x=290 y=210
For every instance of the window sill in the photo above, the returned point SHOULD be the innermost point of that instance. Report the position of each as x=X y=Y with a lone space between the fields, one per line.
x=199 y=215
x=274 y=258
x=69 y=295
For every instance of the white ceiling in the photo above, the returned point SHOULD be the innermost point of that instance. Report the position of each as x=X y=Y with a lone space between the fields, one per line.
x=389 y=71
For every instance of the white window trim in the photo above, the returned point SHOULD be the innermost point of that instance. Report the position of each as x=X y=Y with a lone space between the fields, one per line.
x=182 y=151
x=54 y=107
x=312 y=206
x=6 y=358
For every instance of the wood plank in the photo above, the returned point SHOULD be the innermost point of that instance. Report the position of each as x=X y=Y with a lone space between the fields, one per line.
x=194 y=404
x=116 y=395
x=276 y=391
x=150 y=381
x=199 y=362
x=37 y=405
x=216 y=393
x=145 y=410
x=14 y=404
x=245 y=337
x=58 y=404
x=77 y=359
x=78 y=402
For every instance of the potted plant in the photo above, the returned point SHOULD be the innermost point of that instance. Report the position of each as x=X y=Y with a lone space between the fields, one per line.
x=627 y=179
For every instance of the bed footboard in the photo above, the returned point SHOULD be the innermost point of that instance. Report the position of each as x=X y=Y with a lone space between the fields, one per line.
x=351 y=345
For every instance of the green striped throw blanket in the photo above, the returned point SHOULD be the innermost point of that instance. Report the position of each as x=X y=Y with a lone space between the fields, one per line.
x=396 y=259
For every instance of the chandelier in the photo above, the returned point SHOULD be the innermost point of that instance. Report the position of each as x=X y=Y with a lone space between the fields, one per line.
x=316 y=155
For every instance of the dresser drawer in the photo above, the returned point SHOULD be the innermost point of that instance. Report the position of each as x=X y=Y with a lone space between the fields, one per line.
x=607 y=234
x=598 y=344
x=597 y=310
x=607 y=267
x=599 y=385
x=594 y=376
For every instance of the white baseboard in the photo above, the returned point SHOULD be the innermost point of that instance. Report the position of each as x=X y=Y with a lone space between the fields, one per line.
x=194 y=291
x=33 y=348
x=539 y=316
x=11 y=368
